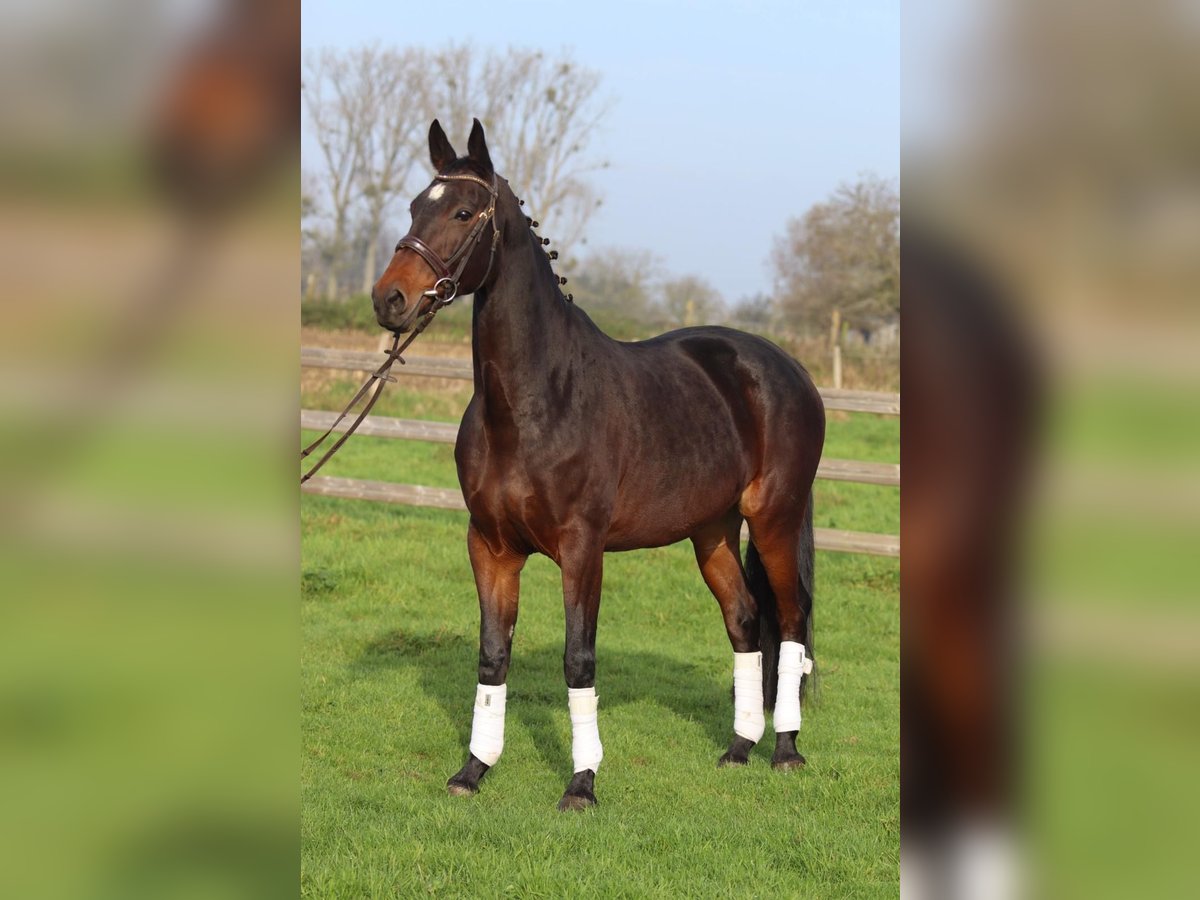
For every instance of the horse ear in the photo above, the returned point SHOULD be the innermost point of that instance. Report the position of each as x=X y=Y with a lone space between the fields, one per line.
x=477 y=147
x=441 y=154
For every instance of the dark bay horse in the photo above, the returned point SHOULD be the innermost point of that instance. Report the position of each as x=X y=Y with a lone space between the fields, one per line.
x=575 y=444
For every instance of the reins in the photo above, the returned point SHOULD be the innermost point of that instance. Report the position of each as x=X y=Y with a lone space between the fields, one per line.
x=378 y=378
x=444 y=290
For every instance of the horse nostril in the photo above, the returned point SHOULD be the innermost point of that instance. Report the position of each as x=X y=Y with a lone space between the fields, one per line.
x=387 y=296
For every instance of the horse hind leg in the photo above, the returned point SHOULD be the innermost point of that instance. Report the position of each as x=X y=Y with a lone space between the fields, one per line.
x=718 y=555
x=779 y=569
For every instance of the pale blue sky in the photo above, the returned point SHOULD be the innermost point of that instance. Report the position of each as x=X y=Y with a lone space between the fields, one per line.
x=728 y=118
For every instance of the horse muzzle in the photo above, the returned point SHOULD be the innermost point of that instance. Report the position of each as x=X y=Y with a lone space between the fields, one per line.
x=395 y=311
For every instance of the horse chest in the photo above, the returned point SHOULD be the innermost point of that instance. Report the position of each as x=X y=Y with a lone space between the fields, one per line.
x=516 y=497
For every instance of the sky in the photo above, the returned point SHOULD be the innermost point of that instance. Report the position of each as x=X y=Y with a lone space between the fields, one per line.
x=727 y=119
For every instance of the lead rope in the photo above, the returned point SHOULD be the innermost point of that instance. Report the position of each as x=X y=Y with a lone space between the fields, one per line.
x=379 y=378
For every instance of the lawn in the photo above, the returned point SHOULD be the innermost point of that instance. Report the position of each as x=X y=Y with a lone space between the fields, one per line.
x=389 y=627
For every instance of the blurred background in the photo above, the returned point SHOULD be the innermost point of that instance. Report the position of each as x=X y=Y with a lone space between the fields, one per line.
x=1051 y=445
x=148 y=208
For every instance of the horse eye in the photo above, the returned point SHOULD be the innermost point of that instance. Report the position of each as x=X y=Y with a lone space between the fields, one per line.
x=462 y=215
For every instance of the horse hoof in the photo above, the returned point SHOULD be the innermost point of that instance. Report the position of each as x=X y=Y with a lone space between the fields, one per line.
x=789 y=763
x=576 y=802
x=579 y=794
x=465 y=781
x=738 y=753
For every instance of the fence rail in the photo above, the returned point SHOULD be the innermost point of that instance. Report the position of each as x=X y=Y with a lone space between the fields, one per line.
x=877 y=402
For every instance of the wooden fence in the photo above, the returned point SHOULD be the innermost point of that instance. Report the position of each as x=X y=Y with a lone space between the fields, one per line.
x=882 y=403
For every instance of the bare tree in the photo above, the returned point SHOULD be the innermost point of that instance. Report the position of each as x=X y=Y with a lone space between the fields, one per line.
x=391 y=137
x=618 y=280
x=842 y=254
x=541 y=114
x=368 y=111
x=757 y=312
x=690 y=300
x=328 y=97
x=336 y=113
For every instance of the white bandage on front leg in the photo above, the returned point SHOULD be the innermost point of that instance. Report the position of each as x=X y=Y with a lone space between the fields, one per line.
x=585 y=729
x=792 y=666
x=748 y=718
x=487 y=729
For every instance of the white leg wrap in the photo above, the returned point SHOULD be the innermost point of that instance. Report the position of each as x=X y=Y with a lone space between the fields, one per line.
x=487 y=729
x=585 y=730
x=792 y=665
x=748 y=719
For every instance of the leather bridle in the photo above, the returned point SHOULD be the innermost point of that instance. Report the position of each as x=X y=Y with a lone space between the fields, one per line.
x=443 y=292
x=447 y=286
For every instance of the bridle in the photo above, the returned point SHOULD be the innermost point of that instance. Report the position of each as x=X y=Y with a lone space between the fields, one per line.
x=443 y=292
x=447 y=286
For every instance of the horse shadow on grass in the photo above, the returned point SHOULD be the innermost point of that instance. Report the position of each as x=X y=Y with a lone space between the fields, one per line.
x=445 y=664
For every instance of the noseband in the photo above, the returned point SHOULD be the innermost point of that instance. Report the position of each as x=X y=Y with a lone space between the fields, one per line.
x=447 y=286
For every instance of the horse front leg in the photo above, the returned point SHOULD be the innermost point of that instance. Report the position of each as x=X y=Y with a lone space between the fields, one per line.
x=498 y=581
x=582 y=563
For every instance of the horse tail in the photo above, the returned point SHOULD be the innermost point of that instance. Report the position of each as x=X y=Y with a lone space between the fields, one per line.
x=768 y=610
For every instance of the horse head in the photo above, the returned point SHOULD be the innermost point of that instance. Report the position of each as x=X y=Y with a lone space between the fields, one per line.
x=450 y=248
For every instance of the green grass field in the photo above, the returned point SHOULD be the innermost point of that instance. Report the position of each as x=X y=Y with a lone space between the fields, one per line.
x=389 y=630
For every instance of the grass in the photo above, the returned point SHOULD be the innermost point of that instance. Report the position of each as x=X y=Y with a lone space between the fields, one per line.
x=389 y=627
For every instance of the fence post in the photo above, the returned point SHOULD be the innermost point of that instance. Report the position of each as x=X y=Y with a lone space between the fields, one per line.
x=835 y=340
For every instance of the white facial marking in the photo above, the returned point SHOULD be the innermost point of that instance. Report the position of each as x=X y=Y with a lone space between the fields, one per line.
x=435 y=192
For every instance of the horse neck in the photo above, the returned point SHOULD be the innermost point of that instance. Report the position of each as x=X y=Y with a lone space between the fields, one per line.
x=522 y=330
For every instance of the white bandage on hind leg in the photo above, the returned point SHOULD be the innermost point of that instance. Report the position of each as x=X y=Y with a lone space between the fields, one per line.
x=487 y=729
x=585 y=729
x=792 y=665
x=748 y=718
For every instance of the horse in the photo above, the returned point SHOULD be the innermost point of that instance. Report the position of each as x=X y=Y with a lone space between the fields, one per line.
x=575 y=444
